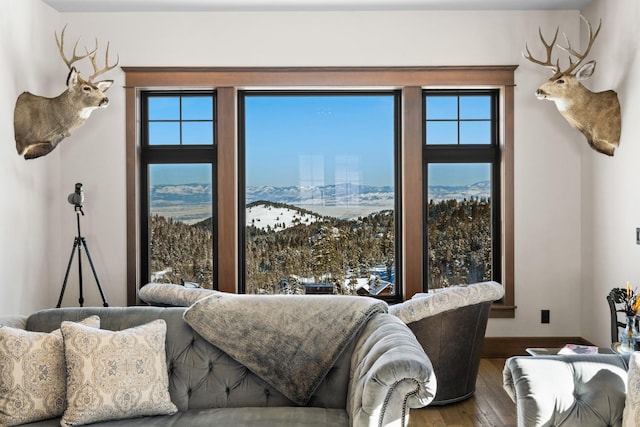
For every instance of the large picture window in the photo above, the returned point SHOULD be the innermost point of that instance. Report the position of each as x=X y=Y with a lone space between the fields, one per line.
x=319 y=204
x=177 y=179
x=462 y=176
x=194 y=171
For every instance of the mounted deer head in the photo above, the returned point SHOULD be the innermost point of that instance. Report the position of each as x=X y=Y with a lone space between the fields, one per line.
x=596 y=115
x=41 y=123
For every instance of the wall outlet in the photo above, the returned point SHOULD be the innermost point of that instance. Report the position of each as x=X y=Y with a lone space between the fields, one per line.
x=544 y=316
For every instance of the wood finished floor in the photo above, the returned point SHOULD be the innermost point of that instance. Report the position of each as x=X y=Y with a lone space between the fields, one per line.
x=490 y=406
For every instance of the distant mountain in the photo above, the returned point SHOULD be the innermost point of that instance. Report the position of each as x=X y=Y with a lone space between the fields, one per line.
x=325 y=195
x=191 y=202
x=352 y=194
x=479 y=190
x=183 y=193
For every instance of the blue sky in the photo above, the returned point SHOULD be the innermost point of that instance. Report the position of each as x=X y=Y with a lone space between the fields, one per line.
x=292 y=140
x=180 y=174
x=452 y=174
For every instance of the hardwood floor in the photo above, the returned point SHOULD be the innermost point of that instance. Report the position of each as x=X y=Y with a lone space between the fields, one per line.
x=490 y=406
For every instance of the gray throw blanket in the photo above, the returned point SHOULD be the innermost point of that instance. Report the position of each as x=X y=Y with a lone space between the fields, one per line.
x=290 y=341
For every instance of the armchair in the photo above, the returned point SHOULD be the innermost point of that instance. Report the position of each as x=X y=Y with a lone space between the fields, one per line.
x=450 y=325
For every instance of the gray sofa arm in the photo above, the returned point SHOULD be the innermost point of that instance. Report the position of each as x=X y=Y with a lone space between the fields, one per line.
x=390 y=373
x=17 y=321
x=567 y=390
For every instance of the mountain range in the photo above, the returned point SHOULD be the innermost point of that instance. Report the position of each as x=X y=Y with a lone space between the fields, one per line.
x=478 y=190
x=192 y=202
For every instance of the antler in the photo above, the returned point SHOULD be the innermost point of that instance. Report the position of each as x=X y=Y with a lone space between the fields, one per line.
x=75 y=57
x=107 y=67
x=549 y=47
x=572 y=52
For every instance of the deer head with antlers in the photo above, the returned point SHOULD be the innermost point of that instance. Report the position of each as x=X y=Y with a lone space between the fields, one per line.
x=41 y=123
x=596 y=115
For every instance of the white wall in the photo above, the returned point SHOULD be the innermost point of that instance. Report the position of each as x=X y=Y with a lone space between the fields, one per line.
x=29 y=217
x=611 y=196
x=548 y=153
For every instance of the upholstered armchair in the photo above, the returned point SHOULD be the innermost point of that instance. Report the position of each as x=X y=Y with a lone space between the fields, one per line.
x=450 y=325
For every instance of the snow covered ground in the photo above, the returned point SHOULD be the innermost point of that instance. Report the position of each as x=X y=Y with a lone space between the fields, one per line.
x=278 y=218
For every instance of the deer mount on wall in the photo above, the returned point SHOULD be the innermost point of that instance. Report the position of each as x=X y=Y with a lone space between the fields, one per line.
x=595 y=114
x=40 y=123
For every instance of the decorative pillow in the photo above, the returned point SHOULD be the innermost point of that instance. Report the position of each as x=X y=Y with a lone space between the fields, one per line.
x=115 y=374
x=631 y=414
x=33 y=380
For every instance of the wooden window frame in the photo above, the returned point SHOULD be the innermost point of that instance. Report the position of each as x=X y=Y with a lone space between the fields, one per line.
x=411 y=80
x=150 y=154
x=469 y=153
x=397 y=204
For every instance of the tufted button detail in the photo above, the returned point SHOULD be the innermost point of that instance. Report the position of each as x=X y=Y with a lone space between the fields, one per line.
x=267 y=392
x=210 y=366
x=227 y=390
x=189 y=392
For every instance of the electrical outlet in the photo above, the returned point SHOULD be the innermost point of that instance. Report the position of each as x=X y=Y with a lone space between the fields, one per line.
x=544 y=316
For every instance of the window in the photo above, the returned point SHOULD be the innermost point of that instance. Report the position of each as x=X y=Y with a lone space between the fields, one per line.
x=462 y=176
x=225 y=156
x=319 y=196
x=177 y=179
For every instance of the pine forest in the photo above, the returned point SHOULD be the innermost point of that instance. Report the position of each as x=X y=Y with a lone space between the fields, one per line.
x=329 y=251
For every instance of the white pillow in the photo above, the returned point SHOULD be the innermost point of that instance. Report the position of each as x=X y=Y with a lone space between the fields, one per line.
x=115 y=374
x=631 y=414
x=33 y=378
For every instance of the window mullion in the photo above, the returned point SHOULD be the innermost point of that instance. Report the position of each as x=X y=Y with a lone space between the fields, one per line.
x=462 y=154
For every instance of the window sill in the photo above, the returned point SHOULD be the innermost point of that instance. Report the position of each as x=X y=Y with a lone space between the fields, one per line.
x=500 y=311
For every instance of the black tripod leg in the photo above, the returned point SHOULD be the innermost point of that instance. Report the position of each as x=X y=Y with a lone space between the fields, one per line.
x=95 y=275
x=76 y=242
x=81 y=296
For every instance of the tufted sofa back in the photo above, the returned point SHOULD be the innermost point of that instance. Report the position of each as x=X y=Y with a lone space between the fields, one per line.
x=200 y=374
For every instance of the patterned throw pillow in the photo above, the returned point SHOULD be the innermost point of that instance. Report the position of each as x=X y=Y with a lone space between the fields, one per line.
x=631 y=414
x=33 y=380
x=115 y=374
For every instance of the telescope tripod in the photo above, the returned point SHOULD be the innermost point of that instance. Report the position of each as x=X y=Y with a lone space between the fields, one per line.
x=78 y=243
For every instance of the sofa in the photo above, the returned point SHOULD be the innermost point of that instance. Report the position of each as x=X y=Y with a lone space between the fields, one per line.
x=381 y=374
x=570 y=390
x=450 y=324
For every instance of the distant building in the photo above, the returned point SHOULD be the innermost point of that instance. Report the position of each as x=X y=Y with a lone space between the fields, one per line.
x=318 y=288
x=376 y=287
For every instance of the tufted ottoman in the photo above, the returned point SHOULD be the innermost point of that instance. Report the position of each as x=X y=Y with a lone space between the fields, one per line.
x=567 y=390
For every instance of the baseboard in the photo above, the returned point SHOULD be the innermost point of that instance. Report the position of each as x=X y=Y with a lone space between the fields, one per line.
x=512 y=346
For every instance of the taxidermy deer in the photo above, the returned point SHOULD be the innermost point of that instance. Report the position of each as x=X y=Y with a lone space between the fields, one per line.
x=41 y=123
x=596 y=115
